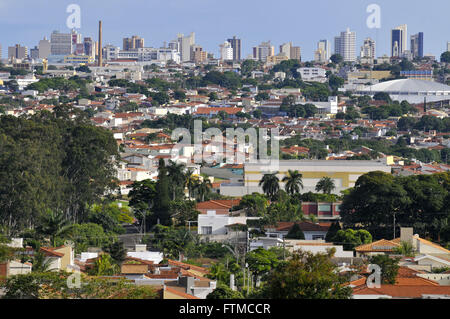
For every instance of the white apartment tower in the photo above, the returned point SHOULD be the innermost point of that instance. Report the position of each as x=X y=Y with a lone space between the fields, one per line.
x=345 y=45
x=368 y=49
x=226 y=51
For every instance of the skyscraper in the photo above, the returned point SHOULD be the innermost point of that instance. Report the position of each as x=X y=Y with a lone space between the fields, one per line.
x=399 y=36
x=345 y=45
x=368 y=49
x=448 y=46
x=323 y=51
x=45 y=48
x=226 y=51
x=236 y=44
x=134 y=42
x=262 y=51
x=89 y=46
x=185 y=46
x=417 y=45
x=285 y=49
x=18 y=52
x=61 y=43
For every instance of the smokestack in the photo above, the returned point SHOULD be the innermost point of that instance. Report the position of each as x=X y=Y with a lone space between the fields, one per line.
x=100 y=51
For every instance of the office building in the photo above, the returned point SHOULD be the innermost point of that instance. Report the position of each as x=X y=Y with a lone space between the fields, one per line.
x=262 y=51
x=200 y=56
x=236 y=44
x=134 y=42
x=185 y=46
x=417 y=45
x=285 y=49
x=45 y=48
x=448 y=46
x=89 y=47
x=399 y=37
x=290 y=51
x=226 y=51
x=18 y=52
x=61 y=43
x=34 y=53
x=345 y=45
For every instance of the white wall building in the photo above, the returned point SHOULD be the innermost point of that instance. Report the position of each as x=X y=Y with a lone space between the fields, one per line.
x=226 y=51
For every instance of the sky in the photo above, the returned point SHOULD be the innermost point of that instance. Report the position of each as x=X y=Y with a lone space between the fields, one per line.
x=213 y=21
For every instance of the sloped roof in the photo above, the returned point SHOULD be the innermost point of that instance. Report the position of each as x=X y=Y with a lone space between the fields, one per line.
x=381 y=245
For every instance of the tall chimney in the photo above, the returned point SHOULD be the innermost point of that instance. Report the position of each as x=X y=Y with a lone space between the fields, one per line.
x=100 y=51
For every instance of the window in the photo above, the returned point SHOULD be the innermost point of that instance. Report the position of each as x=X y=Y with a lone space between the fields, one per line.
x=206 y=230
x=325 y=208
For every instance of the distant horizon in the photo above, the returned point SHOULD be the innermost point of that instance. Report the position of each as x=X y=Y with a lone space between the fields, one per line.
x=253 y=22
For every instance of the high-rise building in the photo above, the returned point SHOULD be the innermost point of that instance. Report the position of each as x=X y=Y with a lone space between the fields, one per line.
x=262 y=51
x=61 y=43
x=399 y=36
x=200 y=56
x=368 y=49
x=345 y=45
x=34 y=53
x=89 y=46
x=236 y=44
x=448 y=46
x=285 y=49
x=18 y=52
x=296 y=53
x=417 y=45
x=134 y=42
x=45 y=48
x=185 y=46
x=226 y=51
x=323 y=52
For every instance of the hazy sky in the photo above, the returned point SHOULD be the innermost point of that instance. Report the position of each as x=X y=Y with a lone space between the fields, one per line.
x=213 y=21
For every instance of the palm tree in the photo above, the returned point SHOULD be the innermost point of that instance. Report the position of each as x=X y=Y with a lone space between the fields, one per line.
x=326 y=184
x=54 y=224
x=190 y=180
x=203 y=188
x=270 y=185
x=176 y=175
x=293 y=181
x=406 y=249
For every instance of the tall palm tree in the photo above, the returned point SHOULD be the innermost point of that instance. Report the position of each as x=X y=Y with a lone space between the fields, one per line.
x=176 y=175
x=293 y=182
x=54 y=225
x=203 y=188
x=190 y=180
x=270 y=185
x=326 y=184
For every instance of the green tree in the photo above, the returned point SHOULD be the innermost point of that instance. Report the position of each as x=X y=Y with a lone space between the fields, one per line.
x=270 y=185
x=55 y=225
x=162 y=200
x=117 y=251
x=293 y=182
x=295 y=232
x=350 y=238
x=224 y=292
x=389 y=267
x=326 y=185
x=445 y=57
x=104 y=266
x=306 y=276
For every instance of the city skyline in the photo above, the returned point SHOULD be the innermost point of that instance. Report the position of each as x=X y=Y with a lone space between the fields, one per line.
x=213 y=29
